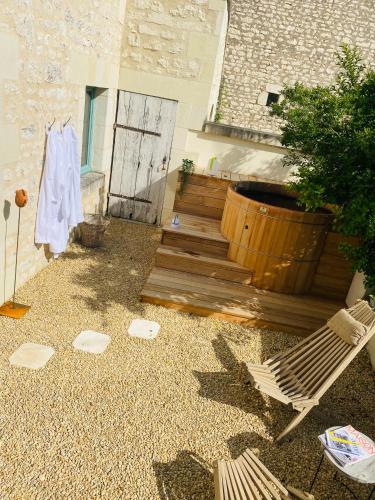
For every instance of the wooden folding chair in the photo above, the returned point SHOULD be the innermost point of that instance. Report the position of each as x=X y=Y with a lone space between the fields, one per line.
x=301 y=375
x=247 y=478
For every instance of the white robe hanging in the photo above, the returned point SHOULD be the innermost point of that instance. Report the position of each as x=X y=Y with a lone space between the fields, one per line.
x=74 y=162
x=59 y=206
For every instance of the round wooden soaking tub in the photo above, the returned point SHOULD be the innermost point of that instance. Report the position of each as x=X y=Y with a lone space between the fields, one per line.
x=272 y=236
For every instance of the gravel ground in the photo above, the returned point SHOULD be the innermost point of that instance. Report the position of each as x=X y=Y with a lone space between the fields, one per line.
x=146 y=419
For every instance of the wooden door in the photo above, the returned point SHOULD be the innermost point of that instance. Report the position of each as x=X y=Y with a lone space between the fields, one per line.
x=142 y=144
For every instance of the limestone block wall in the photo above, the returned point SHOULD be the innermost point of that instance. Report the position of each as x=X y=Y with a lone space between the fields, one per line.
x=173 y=49
x=49 y=51
x=272 y=42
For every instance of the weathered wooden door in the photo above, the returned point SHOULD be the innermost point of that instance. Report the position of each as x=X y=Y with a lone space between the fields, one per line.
x=142 y=144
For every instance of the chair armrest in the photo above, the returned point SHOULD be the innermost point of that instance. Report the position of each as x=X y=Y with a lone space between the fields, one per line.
x=301 y=495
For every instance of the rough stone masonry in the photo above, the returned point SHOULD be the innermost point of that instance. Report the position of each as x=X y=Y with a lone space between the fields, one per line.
x=272 y=42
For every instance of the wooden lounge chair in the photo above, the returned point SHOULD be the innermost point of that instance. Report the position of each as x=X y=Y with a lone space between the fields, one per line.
x=301 y=375
x=246 y=478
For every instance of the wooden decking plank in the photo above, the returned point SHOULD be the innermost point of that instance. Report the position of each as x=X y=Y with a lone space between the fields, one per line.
x=166 y=287
x=200 y=227
x=202 y=310
x=201 y=255
x=209 y=181
x=197 y=263
x=184 y=237
x=226 y=291
x=195 y=244
x=245 y=295
x=198 y=209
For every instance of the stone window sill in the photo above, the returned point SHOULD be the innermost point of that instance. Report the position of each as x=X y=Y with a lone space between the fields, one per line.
x=245 y=134
x=90 y=178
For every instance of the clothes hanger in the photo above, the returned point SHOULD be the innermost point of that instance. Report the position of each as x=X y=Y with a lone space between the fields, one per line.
x=67 y=121
x=50 y=126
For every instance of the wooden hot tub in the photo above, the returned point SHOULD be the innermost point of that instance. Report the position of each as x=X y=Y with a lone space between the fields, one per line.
x=273 y=237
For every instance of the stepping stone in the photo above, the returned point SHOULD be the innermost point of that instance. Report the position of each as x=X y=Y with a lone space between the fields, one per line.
x=144 y=329
x=90 y=341
x=31 y=355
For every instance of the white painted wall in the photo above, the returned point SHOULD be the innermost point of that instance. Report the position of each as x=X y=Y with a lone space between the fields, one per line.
x=235 y=155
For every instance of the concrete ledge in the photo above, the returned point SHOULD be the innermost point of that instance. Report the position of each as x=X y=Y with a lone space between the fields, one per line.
x=93 y=193
x=90 y=178
x=244 y=134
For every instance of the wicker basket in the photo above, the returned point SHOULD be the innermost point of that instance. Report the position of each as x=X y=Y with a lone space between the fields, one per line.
x=93 y=229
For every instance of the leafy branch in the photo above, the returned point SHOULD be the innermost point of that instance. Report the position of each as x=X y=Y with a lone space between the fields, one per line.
x=330 y=134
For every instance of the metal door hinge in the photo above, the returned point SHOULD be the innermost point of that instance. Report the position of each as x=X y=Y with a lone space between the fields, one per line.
x=134 y=129
x=132 y=198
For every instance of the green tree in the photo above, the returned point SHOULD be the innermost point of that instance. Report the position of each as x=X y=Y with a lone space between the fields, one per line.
x=330 y=133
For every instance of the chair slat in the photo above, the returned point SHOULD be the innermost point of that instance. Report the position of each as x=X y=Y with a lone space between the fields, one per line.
x=289 y=383
x=228 y=480
x=262 y=488
x=233 y=477
x=250 y=489
x=362 y=313
x=308 y=339
x=238 y=479
x=264 y=376
x=221 y=492
x=331 y=358
x=269 y=488
x=274 y=393
x=223 y=480
x=304 y=347
x=248 y=453
x=331 y=368
x=344 y=363
x=312 y=361
x=314 y=350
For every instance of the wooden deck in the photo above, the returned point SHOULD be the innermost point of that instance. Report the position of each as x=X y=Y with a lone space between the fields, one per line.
x=192 y=274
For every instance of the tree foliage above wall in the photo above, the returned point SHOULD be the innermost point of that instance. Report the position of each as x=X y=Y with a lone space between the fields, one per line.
x=331 y=135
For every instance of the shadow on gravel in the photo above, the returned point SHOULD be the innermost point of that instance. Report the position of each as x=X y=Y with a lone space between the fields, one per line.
x=186 y=477
x=116 y=272
x=228 y=387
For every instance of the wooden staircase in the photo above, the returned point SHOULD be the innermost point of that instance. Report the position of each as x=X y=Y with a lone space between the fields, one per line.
x=191 y=261
x=193 y=274
x=196 y=234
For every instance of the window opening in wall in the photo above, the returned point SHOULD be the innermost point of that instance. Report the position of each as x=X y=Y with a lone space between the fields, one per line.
x=86 y=156
x=272 y=98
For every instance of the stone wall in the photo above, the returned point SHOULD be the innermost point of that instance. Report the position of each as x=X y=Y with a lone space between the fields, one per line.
x=49 y=50
x=173 y=49
x=271 y=42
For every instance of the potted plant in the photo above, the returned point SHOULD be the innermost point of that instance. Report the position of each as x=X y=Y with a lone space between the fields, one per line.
x=187 y=169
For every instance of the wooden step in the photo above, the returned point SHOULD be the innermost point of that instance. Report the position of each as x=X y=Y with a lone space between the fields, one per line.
x=235 y=302
x=182 y=260
x=196 y=234
x=202 y=195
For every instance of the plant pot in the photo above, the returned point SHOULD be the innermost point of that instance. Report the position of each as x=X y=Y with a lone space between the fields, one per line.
x=93 y=229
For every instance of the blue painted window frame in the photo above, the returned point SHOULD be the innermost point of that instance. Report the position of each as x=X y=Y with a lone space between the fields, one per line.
x=87 y=168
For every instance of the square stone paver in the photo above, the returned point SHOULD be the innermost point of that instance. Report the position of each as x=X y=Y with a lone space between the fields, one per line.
x=90 y=341
x=144 y=329
x=31 y=355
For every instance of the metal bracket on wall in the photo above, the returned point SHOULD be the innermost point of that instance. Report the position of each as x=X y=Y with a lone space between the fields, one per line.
x=134 y=129
x=132 y=198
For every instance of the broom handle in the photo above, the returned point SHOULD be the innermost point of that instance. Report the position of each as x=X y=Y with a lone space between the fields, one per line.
x=15 y=267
